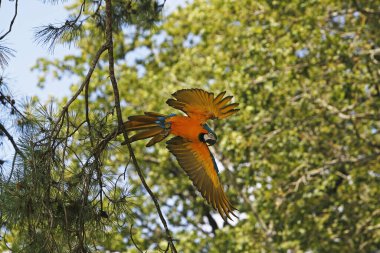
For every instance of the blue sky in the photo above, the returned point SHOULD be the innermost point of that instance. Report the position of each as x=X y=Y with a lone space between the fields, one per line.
x=18 y=75
x=32 y=14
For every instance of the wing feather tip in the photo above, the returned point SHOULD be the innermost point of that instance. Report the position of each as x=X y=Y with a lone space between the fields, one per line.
x=213 y=194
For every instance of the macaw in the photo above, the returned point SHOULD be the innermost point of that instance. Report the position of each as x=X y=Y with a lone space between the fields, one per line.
x=192 y=138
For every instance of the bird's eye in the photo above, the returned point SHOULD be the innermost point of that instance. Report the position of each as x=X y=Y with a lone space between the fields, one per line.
x=202 y=137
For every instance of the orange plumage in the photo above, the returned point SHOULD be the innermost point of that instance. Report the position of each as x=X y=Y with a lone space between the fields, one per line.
x=186 y=127
x=193 y=135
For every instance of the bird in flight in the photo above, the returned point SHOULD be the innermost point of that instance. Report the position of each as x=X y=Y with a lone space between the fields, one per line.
x=192 y=138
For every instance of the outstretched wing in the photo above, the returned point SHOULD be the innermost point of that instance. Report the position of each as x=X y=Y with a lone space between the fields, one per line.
x=200 y=104
x=199 y=164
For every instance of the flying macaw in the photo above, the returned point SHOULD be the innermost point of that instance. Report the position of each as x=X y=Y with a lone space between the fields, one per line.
x=192 y=138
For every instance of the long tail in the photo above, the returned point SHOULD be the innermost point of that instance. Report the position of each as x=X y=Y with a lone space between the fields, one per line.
x=149 y=125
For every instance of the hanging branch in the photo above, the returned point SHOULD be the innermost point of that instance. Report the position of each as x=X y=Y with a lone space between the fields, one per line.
x=120 y=120
x=10 y=138
x=12 y=21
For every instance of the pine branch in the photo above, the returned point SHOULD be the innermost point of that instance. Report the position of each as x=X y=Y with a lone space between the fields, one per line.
x=6 y=99
x=67 y=32
x=120 y=120
x=103 y=48
x=51 y=34
x=10 y=138
x=5 y=54
x=12 y=168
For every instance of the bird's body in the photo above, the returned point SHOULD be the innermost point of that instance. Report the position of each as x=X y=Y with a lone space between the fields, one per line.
x=192 y=138
x=186 y=127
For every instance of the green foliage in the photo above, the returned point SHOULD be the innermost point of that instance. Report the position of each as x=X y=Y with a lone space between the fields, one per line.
x=51 y=201
x=301 y=159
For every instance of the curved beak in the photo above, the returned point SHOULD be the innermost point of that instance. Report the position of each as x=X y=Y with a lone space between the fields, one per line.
x=210 y=139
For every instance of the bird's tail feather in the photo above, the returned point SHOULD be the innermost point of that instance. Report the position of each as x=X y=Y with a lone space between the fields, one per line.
x=150 y=124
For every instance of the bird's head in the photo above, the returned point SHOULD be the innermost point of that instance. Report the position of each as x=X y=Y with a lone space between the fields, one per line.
x=210 y=137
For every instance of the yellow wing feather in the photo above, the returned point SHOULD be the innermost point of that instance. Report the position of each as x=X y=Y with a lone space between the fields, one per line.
x=198 y=163
x=200 y=104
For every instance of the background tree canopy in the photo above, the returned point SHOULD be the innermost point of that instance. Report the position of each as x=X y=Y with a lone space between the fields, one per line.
x=300 y=161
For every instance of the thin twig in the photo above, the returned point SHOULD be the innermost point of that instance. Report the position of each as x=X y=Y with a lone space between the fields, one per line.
x=120 y=120
x=12 y=21
x=133 y=241
x=87 y=113
x=84 y=83
x=13 y=167
x=11 y=103
x=10 y=138
x=66 y=140
x=50 y=34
